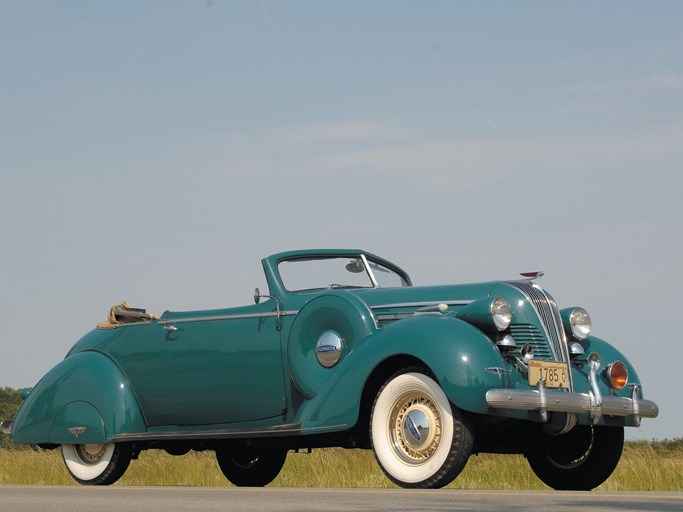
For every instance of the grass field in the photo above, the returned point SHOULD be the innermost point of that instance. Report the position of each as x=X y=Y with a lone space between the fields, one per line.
x=645 y=466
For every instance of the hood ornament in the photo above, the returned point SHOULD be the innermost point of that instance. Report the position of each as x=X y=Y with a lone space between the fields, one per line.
x=532 y=275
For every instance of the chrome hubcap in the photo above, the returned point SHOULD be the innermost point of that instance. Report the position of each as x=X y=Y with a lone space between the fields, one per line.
x=415 y=426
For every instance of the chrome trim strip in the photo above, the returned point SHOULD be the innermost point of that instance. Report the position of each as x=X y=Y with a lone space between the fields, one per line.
x=279 y=431
x=421 y=304
x=558 y=401
x=225 y=317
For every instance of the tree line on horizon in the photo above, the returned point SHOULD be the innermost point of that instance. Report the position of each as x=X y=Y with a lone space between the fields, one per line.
x=10 y=400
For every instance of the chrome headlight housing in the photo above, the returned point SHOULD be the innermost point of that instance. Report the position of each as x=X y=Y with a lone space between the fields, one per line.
x=492 y=314
x=577 y=323
x=501 y=313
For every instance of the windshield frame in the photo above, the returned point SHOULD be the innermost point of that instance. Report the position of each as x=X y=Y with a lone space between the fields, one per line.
x=368 y=262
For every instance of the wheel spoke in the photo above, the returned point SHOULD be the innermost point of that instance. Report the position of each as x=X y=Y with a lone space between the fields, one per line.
x=90 y=453
x=416 y=428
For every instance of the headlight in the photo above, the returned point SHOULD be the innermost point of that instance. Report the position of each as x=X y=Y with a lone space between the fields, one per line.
x=580 y=323
x=501 y=313
x=492 y=314
x=577 y=322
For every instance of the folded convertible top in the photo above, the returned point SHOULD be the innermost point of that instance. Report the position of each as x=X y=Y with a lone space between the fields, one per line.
x=122 y=314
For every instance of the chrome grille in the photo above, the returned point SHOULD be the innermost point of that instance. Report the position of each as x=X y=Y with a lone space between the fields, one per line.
x=547 y=311
x=529 y=334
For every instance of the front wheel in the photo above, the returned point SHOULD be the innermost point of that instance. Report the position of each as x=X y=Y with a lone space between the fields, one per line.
x=419 y=438
x=97 y=464
x=580 y=460
x=251 y=467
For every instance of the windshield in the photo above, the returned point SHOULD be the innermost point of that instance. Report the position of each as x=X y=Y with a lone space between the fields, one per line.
x=318 y=273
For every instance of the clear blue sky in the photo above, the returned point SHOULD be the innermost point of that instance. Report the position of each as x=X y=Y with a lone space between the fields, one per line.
x=154 y=151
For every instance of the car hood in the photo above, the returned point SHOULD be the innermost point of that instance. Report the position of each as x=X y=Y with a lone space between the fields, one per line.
x=414 y=297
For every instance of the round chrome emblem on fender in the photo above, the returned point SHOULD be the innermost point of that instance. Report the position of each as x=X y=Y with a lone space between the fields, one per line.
x=328 y=349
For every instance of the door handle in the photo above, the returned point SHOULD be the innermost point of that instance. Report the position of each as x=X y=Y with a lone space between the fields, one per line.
x=170 y=328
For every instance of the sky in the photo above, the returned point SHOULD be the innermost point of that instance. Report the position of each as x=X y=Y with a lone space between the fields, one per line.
x=154 y=151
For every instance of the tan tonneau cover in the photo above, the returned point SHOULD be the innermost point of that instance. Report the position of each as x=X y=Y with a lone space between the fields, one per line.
x=122 y=314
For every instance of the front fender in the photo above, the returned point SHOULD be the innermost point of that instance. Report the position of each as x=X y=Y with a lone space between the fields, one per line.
x=85 y=391
x=456 y=352
x=608 y=354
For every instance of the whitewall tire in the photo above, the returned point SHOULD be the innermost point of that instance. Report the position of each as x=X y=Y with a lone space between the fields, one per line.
x=96 y=464
x=419 y=438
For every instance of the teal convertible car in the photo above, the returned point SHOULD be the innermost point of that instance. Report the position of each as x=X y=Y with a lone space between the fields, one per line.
x=344 y=351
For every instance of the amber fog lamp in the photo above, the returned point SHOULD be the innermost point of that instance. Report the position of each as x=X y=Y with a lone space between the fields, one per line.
x=617 y=374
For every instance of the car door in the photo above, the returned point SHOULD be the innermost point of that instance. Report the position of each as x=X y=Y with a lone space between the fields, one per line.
x=210 y=368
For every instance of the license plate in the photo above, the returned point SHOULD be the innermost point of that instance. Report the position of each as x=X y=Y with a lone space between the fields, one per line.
x=554 y=373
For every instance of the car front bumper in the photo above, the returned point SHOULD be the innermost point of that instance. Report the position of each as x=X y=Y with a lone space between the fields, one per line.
x=544 y=400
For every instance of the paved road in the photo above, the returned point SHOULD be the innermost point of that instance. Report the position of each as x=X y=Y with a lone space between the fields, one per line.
x=189 y=499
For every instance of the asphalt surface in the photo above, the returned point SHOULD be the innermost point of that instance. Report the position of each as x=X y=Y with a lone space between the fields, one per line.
x=188 y=499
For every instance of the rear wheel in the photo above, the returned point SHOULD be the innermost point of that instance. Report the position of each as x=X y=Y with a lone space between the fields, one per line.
x=580 y=460
x=97 y=464
x=251 y=467
x=419 y=438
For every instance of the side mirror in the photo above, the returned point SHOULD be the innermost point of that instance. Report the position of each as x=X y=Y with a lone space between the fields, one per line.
x=257 y=299
x=355 y=267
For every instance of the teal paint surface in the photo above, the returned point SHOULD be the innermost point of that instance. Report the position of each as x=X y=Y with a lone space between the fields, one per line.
x=89 y=377
x=257 y=366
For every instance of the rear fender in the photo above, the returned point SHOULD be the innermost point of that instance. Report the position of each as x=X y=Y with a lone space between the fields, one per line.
x=85 y=391
x=454 y=351
x=78 y=421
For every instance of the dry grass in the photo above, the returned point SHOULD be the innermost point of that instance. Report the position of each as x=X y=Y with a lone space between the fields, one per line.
x=656 y=466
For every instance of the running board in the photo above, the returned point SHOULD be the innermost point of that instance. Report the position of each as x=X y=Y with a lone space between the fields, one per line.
x=289 y=429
